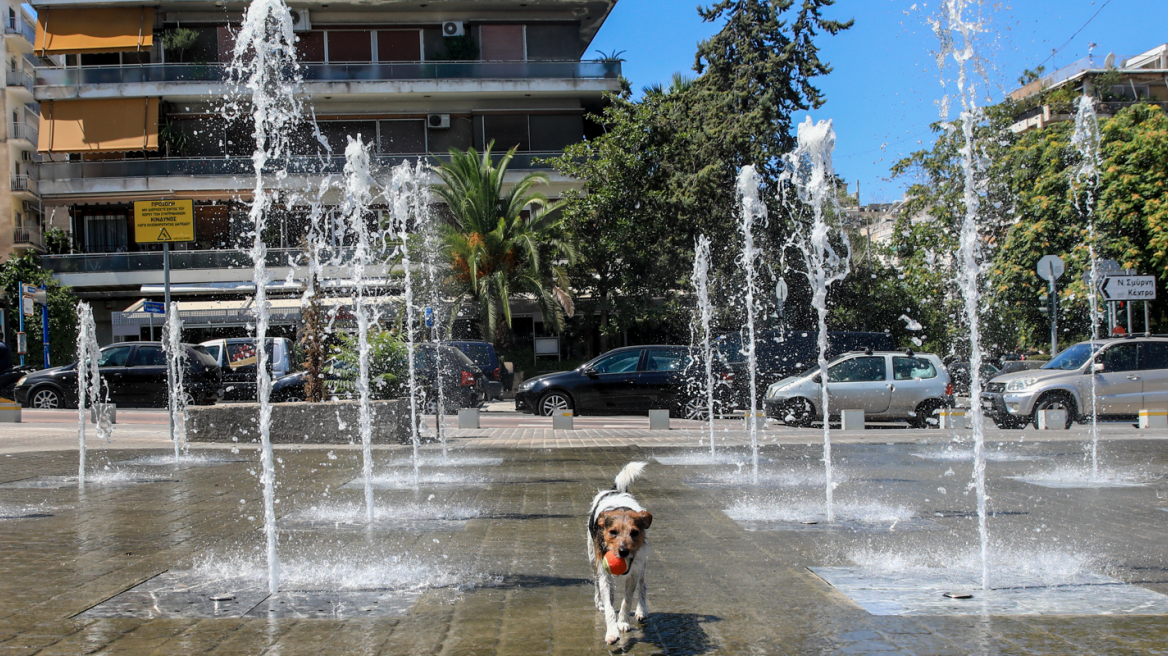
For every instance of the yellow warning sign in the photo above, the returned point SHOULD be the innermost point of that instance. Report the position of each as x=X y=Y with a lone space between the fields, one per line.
x=158 y=221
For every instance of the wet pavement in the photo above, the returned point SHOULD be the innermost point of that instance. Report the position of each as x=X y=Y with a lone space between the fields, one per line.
x=488 y=557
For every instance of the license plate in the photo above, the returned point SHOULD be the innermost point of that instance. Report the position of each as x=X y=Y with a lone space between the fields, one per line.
x=987 y=405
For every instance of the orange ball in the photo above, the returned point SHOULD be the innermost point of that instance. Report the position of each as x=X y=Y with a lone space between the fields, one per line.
x=616 y=565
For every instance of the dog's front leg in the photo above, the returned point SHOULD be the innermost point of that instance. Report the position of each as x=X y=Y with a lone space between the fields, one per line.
x=604 y=585
x=627 y=603
x=642 y=592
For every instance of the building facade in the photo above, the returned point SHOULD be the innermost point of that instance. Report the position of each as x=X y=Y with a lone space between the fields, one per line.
x=132 y=111
x=20 y=207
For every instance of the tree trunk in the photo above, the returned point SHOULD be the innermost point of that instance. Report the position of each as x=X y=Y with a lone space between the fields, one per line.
x=603 y=291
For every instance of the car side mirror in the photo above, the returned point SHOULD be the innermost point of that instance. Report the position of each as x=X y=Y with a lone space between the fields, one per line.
x=1097 y=367
x=590 y=372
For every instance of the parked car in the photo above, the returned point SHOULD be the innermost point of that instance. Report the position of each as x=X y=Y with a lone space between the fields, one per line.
x=237 y=358
x=463 y=383
x=1010 y=366
x=483 y=354
x=133 y=373
x=959 y=376
x=1125 y=375
x=886 y=385
x=629 y=380
x=780 y=354
x=9 y=378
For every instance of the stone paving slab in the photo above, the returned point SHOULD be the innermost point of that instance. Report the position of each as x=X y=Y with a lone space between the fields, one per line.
x=514 y=580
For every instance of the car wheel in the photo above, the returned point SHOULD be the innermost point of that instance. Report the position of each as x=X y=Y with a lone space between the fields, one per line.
x=1055 y=401
x=797 y=412
x=554 y=402
x=695 y=409
x=46 y=398
x=924 y=412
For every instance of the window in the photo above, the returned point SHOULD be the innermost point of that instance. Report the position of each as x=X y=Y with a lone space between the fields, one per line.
x=149 y=356
x=337 y=133
x=399 y=45
x=618 y=363
x=310 y=47
x=350 y=46
x=503 y=43
x=665 y=360
x=1121 y=357
x=105 y=233
x=1154 y=355
x=507 y=131
x=115 y=356
x=858 y=370
x=904 y=368
x=553 y=42
x=553 y=132
x=406 y=137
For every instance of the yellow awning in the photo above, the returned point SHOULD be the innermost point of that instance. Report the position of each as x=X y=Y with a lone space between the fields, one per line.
x=74 y=30
x=99 y=126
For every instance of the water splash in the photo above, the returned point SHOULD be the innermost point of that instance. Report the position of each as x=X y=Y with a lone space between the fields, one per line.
x=176 y=360
x=952 y=22
x=88 y=381
x=809 y=170
x=752 y=209
x=437 y=317
x=1085 y=140
x=265 y=81
x=701 y=285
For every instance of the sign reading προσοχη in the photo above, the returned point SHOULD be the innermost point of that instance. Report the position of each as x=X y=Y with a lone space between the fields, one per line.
x=159 y=221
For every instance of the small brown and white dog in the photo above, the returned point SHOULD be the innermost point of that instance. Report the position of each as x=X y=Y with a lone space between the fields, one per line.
x=616 y=530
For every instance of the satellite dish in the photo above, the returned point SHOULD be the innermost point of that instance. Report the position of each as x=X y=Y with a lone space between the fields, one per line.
x=1109 y=62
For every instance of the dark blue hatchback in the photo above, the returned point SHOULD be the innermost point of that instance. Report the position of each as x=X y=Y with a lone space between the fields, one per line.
x=483 y=354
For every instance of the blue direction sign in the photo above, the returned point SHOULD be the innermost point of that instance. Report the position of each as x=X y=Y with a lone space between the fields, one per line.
x=153 y=307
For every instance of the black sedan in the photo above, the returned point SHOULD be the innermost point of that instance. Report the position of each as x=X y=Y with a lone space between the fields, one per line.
x=463 y=383
x=132 y=374
x=630 y=380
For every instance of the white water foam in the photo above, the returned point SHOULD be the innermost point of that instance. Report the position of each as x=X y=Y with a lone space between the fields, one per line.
x=348 y=513
x=743 y=477
x=967 y=455
x=453 y=461
x=799 y=510
x=408 y=480
x=1070 y=476
x=344 y=572
x=1012 y=567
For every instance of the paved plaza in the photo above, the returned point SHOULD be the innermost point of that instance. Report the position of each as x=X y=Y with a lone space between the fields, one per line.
x=486 y=554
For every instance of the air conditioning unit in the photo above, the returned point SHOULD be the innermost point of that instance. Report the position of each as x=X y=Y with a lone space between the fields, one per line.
x=453 y=28
x=438 y=121
x=300 y=22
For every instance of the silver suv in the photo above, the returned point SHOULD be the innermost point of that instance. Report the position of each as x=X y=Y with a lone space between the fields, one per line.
x=1129 y=374
x=884 y=384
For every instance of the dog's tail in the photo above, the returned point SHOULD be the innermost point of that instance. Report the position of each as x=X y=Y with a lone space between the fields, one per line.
x=630 y=473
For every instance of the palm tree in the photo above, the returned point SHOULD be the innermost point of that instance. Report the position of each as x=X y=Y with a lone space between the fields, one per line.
x=496 y=249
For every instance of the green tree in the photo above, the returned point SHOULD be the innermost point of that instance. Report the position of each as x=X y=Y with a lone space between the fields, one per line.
x=26 y=268
x=496 y=248
x=388 y=366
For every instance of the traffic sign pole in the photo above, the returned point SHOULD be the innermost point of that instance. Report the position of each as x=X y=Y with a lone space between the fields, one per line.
x=21 y=287
x=45 y=331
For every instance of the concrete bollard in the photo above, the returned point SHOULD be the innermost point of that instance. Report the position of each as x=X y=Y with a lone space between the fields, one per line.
x=1153 y=419
x=562 y=420
x=658 y=420
x=10 y=413
x=1052 y=420
x=760 y=420
x=852 y=420
x=468 y=418
x=107 y=410
x=953 y=419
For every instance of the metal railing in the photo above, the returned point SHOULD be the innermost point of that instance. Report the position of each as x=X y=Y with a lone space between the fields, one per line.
x=26 y=235
x=152 y=260
x=23 y=131
x=24 y=183
x=240 y=166
x=18 y=79
x=21 y=27
x=142 y=73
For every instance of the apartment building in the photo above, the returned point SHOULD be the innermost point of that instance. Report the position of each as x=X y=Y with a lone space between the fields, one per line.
x=132 y=112
x=1119 y=81
x=20 y=207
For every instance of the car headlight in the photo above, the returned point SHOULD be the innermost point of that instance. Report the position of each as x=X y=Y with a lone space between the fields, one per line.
x=526 y=385
x=1020 y=384
x=773 y=391
x=21 y=381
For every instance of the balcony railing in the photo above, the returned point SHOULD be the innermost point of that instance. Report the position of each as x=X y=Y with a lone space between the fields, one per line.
x=24 y=183
x=143 y=73
x=148 y=168
x=18 y=79
x=23 y=131
x=18 y=26
x=26 y=235
x=152 y=260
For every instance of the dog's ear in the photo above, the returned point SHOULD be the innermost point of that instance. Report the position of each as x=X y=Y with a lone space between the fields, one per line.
x=643 y=519
x=604 y=519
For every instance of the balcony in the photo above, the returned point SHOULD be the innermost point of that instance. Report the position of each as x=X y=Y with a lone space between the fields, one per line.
x=152 y=261
x=15 y=26
x=18 y=79
x=23 y=131
x=24 y=184
x=28 y=236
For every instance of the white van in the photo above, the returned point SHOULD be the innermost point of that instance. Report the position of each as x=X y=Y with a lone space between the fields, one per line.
x=237 y=360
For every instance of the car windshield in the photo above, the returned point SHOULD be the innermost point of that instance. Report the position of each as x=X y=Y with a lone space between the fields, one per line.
x=1072 y=358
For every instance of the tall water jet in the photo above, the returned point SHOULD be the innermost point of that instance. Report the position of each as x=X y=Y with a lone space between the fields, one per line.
x=949 y=23
x=809 y=170
x=88 y=381
x=355 y=209
x=701 y=285
x=1085 y=140
x=752 y=208
x=437 y=318
x=265 y=77
x=176 y=358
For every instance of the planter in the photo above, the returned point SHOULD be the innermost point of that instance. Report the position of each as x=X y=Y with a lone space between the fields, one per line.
x=300 y=423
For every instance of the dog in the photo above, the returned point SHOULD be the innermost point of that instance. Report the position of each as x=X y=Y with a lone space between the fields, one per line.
x=617 y=524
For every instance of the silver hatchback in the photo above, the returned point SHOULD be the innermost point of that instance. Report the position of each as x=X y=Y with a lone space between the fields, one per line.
x=886 y=385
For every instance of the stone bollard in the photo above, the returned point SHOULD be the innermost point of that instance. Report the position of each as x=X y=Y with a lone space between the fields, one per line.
x=953 y=419
x=468 y=418
x=852 y=420
x=9 y=412
x=107 y=410
x=1052 y=420
x=658 y=420
x=562 y=420
x=1153 y=419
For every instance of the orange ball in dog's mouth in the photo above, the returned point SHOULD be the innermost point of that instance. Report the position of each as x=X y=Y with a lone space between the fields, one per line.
x=615 y=564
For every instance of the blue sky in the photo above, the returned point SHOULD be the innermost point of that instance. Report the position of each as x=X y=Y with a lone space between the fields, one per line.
x=883 y=93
